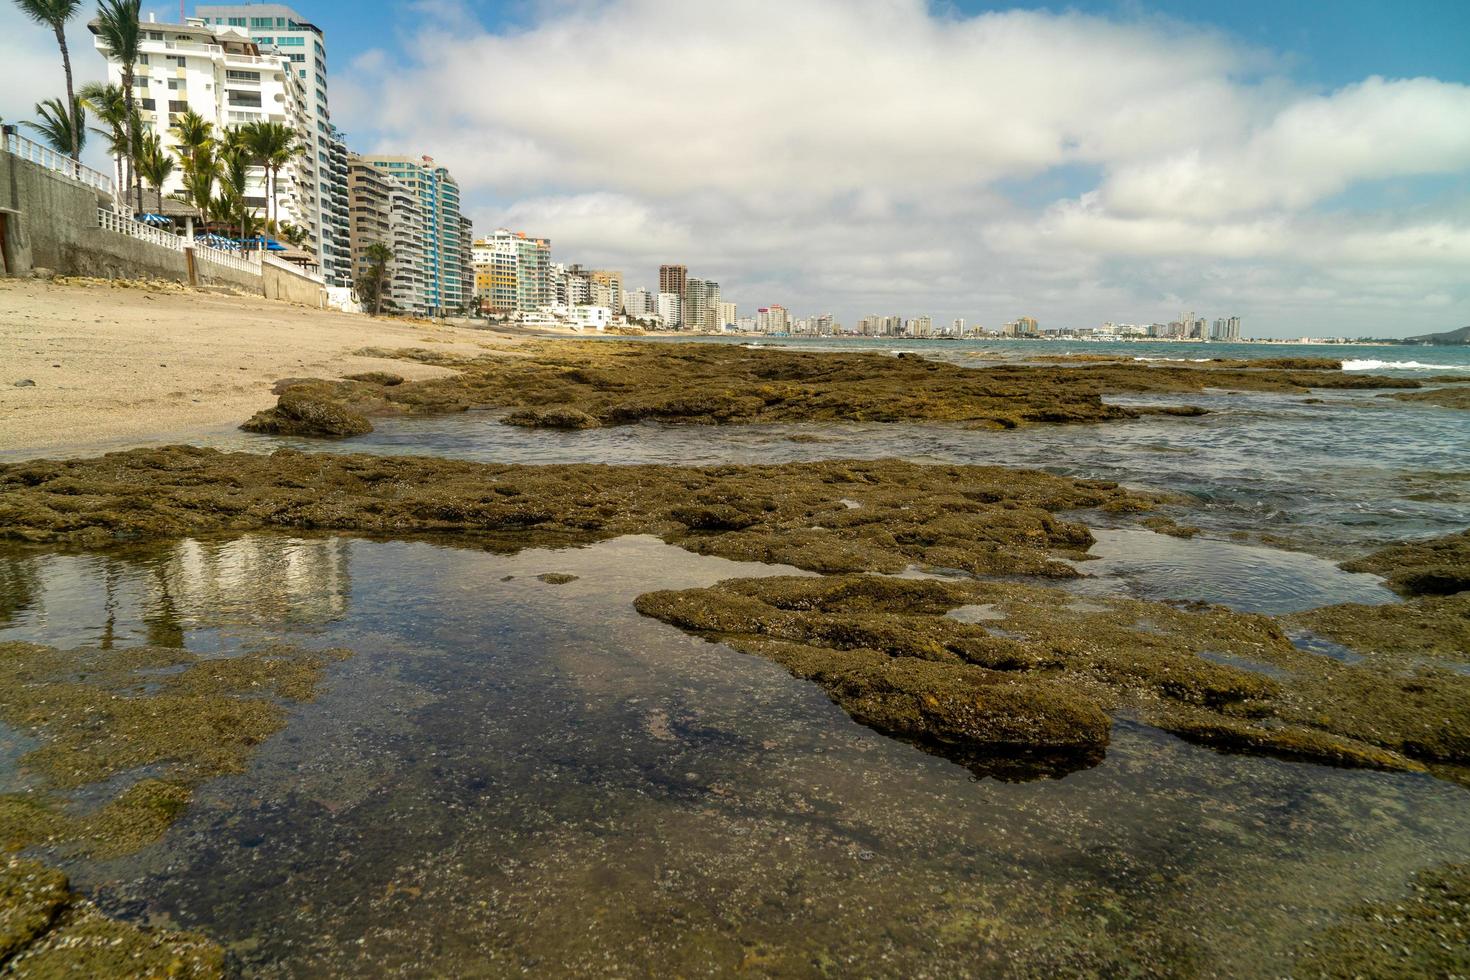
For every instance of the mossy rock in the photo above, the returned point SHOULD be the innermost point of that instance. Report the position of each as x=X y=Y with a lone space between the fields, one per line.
x=301 y=415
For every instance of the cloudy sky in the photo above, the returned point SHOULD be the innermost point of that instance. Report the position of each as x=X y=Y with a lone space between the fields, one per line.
x=1304 y=166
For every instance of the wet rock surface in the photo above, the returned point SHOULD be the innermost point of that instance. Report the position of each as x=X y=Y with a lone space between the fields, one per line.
x=298 y=414
x=46 y=930
x=1458 y=397
x=1425 y=934
x=974 y=518
x=1439 y=566
x=1045 y=678
x=160 y=721
x=574 y=385
x=157 y=720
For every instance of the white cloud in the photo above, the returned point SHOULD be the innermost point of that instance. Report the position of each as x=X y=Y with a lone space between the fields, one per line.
x=1311 y=149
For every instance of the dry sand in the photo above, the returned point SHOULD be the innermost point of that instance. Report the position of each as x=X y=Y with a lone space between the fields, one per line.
x=121 y=365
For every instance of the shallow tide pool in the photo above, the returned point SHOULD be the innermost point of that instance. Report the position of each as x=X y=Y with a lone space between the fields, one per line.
x=517 y=776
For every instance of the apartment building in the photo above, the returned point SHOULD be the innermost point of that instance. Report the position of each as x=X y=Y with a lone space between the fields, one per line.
x=224 y=76
x=446 y=232
x=513 y=273
x=383 y=210
x=281 y=31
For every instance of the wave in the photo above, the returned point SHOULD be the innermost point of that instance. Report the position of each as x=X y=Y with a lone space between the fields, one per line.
x=1399 y=366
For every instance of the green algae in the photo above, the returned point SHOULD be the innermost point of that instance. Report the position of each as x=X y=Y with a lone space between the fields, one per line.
x=48 y=931
x=1398 y=634
x=1438 y=566
x=975 y=518
x=163 y=719
x=574 y=385
x=299 y=414
x=556 y=578
x=1426 y=933
x=1047 y=675
x=1169 y=526
x=104 y=714
x=1444 y=397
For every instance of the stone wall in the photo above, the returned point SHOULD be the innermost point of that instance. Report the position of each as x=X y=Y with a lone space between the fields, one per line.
x=47 y=215
x=51 y=223
x=281 y=281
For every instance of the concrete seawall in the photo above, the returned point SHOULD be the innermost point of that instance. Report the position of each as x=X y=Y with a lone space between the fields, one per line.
x=50 y=222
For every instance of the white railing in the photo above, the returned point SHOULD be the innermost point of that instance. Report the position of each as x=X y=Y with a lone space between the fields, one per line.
x=124 y=225
x=248 y=262
x=61 y=163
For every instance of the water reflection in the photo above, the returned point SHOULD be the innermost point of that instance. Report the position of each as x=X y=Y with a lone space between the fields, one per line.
x=157 y=594
x=515 y=776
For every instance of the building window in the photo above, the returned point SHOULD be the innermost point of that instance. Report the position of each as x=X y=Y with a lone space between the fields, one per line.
x=249 y=99
x=237 y=21
x=243 y=76
x=262 y=22
x=149 y=104
x=175 y=106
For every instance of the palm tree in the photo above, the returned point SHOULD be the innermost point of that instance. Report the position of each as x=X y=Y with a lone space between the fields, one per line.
x=55 y=14
x=379 y=255
x=155 y=164
x=273 y=144
x=110 y=108
x=201 y=169
x=121 y=36
x=193 y=133
x=60 y=128
x=234 y=176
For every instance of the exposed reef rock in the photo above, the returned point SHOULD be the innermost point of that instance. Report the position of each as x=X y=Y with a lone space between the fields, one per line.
x=576 y=385
x=1041 y=671
x=975 y=518
x=1458 y=397
x=46 y=930
x=299 y=414
x=1439 y=566
x=1424 y=934
x=1427 y=628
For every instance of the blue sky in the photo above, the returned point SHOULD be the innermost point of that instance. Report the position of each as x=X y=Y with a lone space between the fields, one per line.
x=1303 y=165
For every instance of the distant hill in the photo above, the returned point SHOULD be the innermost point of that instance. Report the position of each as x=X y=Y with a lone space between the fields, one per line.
x=1448 y=339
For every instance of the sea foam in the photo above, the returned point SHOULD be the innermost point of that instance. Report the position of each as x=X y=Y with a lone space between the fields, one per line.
x=1398 y=366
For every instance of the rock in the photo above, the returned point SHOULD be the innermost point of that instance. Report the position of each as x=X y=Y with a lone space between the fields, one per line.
x=299 y=415
x=25 y=383
x=553 y=418
x=556 y=578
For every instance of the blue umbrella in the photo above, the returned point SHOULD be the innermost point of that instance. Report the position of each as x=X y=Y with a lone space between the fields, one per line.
x=154 y=219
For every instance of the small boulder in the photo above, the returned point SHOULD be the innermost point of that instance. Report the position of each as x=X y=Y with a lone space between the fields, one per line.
x=553 y=418
x=298 y=415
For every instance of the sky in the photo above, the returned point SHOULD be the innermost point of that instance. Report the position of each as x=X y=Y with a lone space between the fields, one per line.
x=1303 y=165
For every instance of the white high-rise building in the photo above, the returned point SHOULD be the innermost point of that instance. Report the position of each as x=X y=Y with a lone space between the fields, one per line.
x=728 y=316
x=225 y=77
x=640 y=303
x=278 y=28
x=670 y=308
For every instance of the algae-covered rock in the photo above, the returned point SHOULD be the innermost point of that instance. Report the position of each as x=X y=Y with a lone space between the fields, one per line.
x=1429 y=627
x=839 y=516
x=1457 y=397
x=1426 y=933
x=300 y=415
x=553 y=418
x=568 y=384
x=104 y=714
x=385 y=378
x=48 y=931
x=1439 y=566
x=1040 y=672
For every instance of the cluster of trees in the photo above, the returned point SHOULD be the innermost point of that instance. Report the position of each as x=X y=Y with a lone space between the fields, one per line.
x=215 y=167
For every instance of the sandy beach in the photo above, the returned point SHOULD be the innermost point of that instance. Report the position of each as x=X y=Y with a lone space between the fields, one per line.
x=112 y=363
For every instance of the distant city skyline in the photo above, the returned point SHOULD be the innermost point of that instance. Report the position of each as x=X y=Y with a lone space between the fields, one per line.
x=1115 y=161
